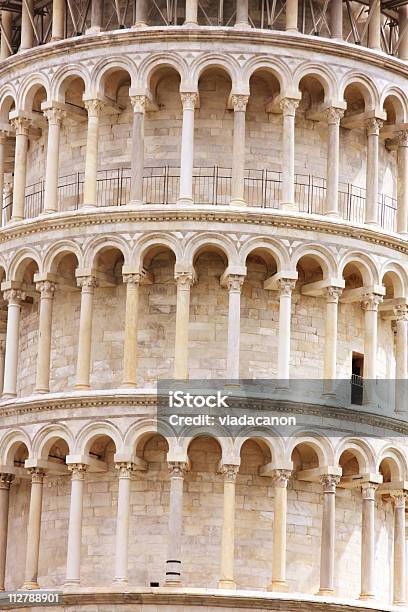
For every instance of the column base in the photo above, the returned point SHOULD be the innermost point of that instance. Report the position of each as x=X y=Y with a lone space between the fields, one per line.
x=134 y=204
x=190 y=24
x=237 y=202
x=242 y=26
x=43 y=390
x=332 y=213
x=80 y=387
x=372 y=224
x=9 y=395
x=289 y=206
x=56 y=38
x=72 y=582
x=93 y=30
x=227 y=584
x=397 y=602
x=182 y=201
x=30 y=586
x=138 y=24
x=128 y=385
x=278 y=586
x=47 y=211
x=15 y=219
x=324 y=592
x=172 y=583
x=120 y=582
x=87 y=206
x=366 y=596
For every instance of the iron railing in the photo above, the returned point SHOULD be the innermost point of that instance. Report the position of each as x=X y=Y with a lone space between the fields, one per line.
x=211 y=186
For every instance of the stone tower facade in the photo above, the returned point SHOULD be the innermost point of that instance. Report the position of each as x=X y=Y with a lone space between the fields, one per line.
x=203 y=190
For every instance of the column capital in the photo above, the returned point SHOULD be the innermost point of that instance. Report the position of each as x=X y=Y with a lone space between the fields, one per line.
x=21 y=125
x=189 y=100
x=177 y=469
x=87 y=283
x=280 y=478
x=333 y=115
x=329 y=482
x=125 y=469
x=5 y=481
x=46 y=288
x=54 y=115
x=37 y=474
x=14 y=296
x=371 y=301
x=286 y=286
x=132 y=278
x=229 y=471
x=185 y=279
x=398 y=497
x=234 y=282
x=139 y=103
x=239 y=102
x=402 y=138
x=77 y=470
x=368 y=490
x=94 y=107
x=332 y=294
x=401 y=312
x=288 y=106
x=373 y=126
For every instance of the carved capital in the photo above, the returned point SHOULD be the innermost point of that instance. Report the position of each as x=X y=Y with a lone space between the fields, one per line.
x=332 y=294
x=230 y=472
x=77 y=470
x=288 y=106
x=21 y=125
x=373 y=126
x=329 y=482
x=371 y=301
x=401 y=312
x=235 y=282
x=398 y=498
x=55 y=115
x=402 y=138
x=37 y=475
x=139 y=103
x=125 y=469
x=94 y=107
x=334 y=115
x=87 y=283
x=286 y=286
x=368 y=490
x=184 y=280
x=188 y=100
x=239 y=102
x=14 y=297
x=177 y=469
x=5 y=481
x=46 y=288
x=280 y=478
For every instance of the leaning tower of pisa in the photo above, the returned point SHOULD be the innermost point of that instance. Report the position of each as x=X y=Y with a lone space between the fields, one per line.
x=203 y=190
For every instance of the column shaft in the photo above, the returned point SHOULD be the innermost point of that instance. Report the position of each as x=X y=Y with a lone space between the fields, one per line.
x=2 y=356
x=34 y=530
x=184 y=281
x=141 y=13
x=7 y=31
x=291 y=15
x=241 y=17
x=173 y=563
x=228 y=528
x=401 y=357
x=87 y=285
x=280 y=479
x=54 y=117
x=238 y=151
x=27 y=34
x=131 y=323
x=137 y=162
x=328 y=534
x=400 y=574
x=122 y=523
x=286 y=287
x=187 y=148
x=94 y=108
x=75 y=524
x=333 y=116
x=234 y=283
x=371 y=210
x=14 y=298
x=191 y=13
x=368 y=541
x=403 y=30
x=2 y=162
x=20 y=167
x=336 y=19
x=332 y=295
x=5 y=481
x=58 y=19
x=370 y=306
x=374 y=28
x=96 y=15
x=288 y=106
x=46 y=289
x=402 y=182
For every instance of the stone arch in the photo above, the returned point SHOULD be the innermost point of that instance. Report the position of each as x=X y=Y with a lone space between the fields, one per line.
x=153 y=64
x=365 y=265
x=137 y=431
x=104 y=68
x=8 y=97
x=274 y=443
x=275 y=66
x=324 y=75
x=56 y=252
x=154 y=240
x=67 y=74
x=274 y=247
x=399 y=102
x=95 y=246
x=321 y=445
x=92 y=431
x=398 y=277
x=47 y=436
x=366 y=87
x=361 y=449
x=10 y=443
x=215 y=60
x=319 y=253
x=217 y=433
x=29 y=88
x=21 y=260
x=219 y=241
x=397 y=462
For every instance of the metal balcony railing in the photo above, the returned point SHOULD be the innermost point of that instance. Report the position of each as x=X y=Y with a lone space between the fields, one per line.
x=211 y=186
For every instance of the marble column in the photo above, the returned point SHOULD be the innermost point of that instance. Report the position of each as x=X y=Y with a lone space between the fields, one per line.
x=280 y=479
x=46 y=289
x=21 y=125
x=336 y=19
x=5 y=482
x=27 y=32
x=132 y=282
x=73 y=575
x=401 y=357
x=58 y=20
x=368 y=541
x=96 y=16
x=191 y=13
x=188 y=101
x=3 y=143
x=33 y=529
x=403 y=29
x=2 y=356
x=241 y=15
x=238 y=151
x=332 y=295
x=125 y=470
x=333 y=117
x=291 y=16
x=141 y=14
x=55 y=117
x=6 y=34
x=228 y=528
x=371 y=208
x=400 y=568
x=137 y=161
x=173 y=564
x=374 y=27
x=402 y=181
x=329 y=483
x=370 y=305
x=13 y=297
x=87 y=284
x=288 y=107
x=94 y=108
x=286 y=286
x=234 y=284
x=184 y=281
